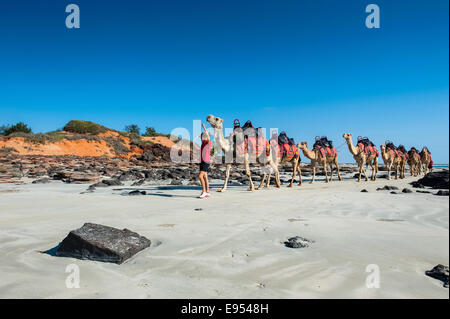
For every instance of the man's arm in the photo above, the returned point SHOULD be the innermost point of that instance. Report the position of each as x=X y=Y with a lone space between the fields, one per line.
x=206 y=131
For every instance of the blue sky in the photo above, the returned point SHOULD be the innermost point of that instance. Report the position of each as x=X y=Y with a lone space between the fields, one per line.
x=306 y=67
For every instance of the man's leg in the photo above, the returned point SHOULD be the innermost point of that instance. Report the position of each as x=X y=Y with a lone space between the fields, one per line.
x=205 y=177
x=202 y=181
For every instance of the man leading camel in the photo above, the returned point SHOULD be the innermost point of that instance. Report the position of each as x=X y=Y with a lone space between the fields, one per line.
x=226 y=145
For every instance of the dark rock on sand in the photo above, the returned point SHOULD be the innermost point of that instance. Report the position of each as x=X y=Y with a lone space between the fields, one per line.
x=138 y=183
x=394 y=192
x=424 y=192
x=439 y=272
x=102 y=243
x=406 y=190
x=176 y=182
x=137 y=192
x=436 y=180
x=417 y=185
x=298 y=242
x=364 y=191
x=442 y=193
x=44 y=180
x=387 y=188
x=108 y=182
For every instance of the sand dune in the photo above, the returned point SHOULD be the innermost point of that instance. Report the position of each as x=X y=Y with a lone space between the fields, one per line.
x=233 y=247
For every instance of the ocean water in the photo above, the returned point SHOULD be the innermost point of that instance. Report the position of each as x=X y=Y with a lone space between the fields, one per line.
x=440 y=165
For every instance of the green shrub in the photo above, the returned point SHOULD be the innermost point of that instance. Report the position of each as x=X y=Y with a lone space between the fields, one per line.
x=84 y=127
x=133 y=128
x=150 y=131
x=16 y=128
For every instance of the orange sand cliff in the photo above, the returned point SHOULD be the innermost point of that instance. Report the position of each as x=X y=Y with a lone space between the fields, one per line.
x=80 y=147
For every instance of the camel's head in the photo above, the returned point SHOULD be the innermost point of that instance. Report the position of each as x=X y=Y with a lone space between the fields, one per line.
x=347 y=136
x=302 y=145
x=216 y=122
x=383 y=147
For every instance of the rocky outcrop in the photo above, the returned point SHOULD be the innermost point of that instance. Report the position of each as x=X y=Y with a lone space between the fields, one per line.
x=436 y=180
x=387 y=188
x=102 y=243
x=439 y=272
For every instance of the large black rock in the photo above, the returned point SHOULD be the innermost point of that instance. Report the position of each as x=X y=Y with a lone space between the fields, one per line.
x=437 y=180
x=102 y=243
x=439 y=272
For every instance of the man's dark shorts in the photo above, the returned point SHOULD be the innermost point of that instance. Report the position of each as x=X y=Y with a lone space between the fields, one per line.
x=204 y=167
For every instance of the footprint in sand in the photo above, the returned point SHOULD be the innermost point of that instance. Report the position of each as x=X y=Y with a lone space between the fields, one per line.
x=297 y=220
x=166 y=225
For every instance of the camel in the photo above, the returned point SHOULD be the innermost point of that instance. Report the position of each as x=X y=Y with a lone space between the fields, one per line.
x=295 y=161
x=391 y=161
x=362 y=158
x=403 y=160
x=226 y=145
x=425 y=158
x=316 y=157
x=414 y=162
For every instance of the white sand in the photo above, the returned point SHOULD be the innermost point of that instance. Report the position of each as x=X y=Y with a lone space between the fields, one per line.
x=233 y=247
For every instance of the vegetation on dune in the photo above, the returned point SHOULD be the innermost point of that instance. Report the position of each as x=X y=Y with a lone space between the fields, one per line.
x=39 y=138
x=150 y=131
x=133 y=128
x=118 y=147
x=16 y=128
x=85 y=127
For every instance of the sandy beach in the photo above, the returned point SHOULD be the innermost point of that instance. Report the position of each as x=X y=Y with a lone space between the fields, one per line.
x=230 y=245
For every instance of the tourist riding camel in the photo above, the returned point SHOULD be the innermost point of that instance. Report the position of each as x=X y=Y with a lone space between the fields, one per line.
x=426 y=159
x=364 y=153
x=245 y=146
x=391 y=159
x=414 y=161
x=323 y=153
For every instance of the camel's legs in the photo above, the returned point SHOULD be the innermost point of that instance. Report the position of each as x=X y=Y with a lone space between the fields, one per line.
x=376 y=168
x=325 y=170
x=364 y=171
x=262 y=181
x=268 y=180
x=331 y=171
x=360 y=171
x=227 y=176
x=249 y=175
x=299 y=173
x=274 y=167
x=314 y=172
x=337 y=168
x=294 y=172
x=389 y=171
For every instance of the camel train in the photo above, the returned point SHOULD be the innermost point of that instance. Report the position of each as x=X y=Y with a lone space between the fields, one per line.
x=248 y=145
